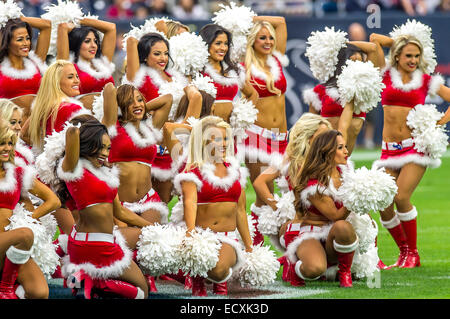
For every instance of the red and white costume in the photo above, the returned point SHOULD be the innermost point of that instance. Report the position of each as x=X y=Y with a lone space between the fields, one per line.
x=93 y=80
x=129 y=145
x=18 y=180
x=67 y=110
x=326 y=101
x=23 y=154
x=100 y=255
x=227 y=87
x=395 y=155
x=15 y=82
x=149 y=82
x=262 y=144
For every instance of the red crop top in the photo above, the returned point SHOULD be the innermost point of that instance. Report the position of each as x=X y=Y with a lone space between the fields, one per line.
x=17 y=180
x=148 y=81
x=66 y=111
x=258 y=78
x=214 y=189
x=128 y=145
x=94 y=80
x=410 y=94
x=15 y=82
x=227 y=86
x=89 y=185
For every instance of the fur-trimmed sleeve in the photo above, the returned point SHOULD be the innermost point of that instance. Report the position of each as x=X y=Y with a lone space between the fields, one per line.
x=310 y=97
x=186 y=177
x=282 y=58
x=28 y=176
x=70 y=176
x=435 y=84
x=312 y=189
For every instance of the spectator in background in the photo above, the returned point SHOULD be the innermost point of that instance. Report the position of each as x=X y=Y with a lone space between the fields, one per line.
x=445 y=6
x=190 y=10
x=158 y=7
x=356 y=32
x=120 y=9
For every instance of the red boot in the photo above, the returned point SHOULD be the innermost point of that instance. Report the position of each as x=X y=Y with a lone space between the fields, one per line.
x=395 y=228
x=380 y=264
x=13 y=260
x=258 y=238
x=151 y=283
x=284 y=262
x=220 y=289
x=118 y=288
x=409 y=224
x=180 y=277
x=295 y=277
x=345 y=255
x=198 y=287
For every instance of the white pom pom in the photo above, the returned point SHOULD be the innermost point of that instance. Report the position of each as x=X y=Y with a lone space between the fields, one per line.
x=200 y=252
x=97 y=107
x=238 y=19
x=138 y=32
x=244 y=114
x=177 y=213
x=205 y=83
x=260 y=267
x=285 y=207
x=189 y=52
x=158 y=249
x=322 y=51
x=267 y=221
x=423 y=33
x=251 y=229
x=364 y=190
x=9 y=10
x=362 y=83
x=364 y=265
x=366 y=230
x=429 y=138
x=43 y=249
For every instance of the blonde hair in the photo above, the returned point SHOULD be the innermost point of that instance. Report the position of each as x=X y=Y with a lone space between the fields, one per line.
x=399 y=44
x=299 y=136
x=7 y=109
x=47 y=101
x=6 y=135
x=252 y=60
x=173 y=27
x=200 y=134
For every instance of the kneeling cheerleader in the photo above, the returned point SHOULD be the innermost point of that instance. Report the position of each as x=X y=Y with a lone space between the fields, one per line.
x=214 y=212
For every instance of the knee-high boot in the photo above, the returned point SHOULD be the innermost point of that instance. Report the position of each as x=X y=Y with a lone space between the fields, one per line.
x=395 y=228
x=255 y=211
x=13 y=260
x=345 y=255
x=409 y=224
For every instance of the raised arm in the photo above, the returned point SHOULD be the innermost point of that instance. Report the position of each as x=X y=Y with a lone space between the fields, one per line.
x=370 y=49
x=381 y=41
x=51 y=201
x=160 y=107
x=62 y=45
x=132 y=58
x=195 y=102
x=43 y=42
x=242 y=223
x=345 y=120
x=72 y=149
x=109 y=105
x=109 y=38
x=170 y=140
x=279 y=24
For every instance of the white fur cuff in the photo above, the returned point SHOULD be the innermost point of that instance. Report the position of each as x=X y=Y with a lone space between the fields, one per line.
x=407 y=216
x=18 y=256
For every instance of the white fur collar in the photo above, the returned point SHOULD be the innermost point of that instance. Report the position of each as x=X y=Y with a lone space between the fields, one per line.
x=103 y=67
x=333 y=93
x=275 y=70
x=231 y=79
x=22 y=148
x=313 y=189
x=9 y=183
x=207 y=170
x=143 y=72
x=29 y=70
x=145 y=138
x=415 y=83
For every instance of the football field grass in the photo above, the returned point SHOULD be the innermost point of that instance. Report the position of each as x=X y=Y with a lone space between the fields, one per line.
x=429 y=281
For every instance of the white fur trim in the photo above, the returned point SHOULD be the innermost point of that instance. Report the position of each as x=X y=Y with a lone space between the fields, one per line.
x=345 y=248
x=278 y=243
x=75 y=175
x=140 y=294
x=311 y=98
x=231 y=79
x=282 y=58
x=42 y=66
x=256 y=154
x=20 y=292
x=415 y=83
x=146 y=137
x=389 y=224
x=224 y=183
x=18 y=256
x=23 y=149
x=435 y=84
x=29 y=176
x=112 y=131
x=112 y=271
x=9 y=182
x=256 y=210
x=29 y=70
x=103 y=67
x=299 y=273
x=186 y=177
x=315 y=189
x=407 y=216
x=244 y=173
x=140 y=208
x=62 y=240
x=397 y=163
x=275 y=69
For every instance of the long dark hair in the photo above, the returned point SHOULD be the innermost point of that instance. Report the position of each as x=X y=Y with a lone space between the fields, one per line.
x=318 y=164
x=207 y=103
x=91 y=133
x=209 y=33
x=125 y=97
x=344 y=54
x=76 y=38
x=6 y=34
x=146 y=43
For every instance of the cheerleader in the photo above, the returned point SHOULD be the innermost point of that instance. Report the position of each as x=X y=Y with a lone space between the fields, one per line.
x=97 y=251
x=147 y=61
x=307 y=127
x=228 y=78
x=134 y=147
x=171 y=27
x=264 y=61
x=213 y=198
x=324 y=235
x=408 y=82
x=16 y=242
x=21 y=67
x=91 y=56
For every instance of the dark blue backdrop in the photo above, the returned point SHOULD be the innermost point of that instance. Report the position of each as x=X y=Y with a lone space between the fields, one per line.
x=299 y=28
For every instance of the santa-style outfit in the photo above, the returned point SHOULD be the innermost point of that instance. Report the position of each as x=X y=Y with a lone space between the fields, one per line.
x=94 y=80
x=67 y=110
